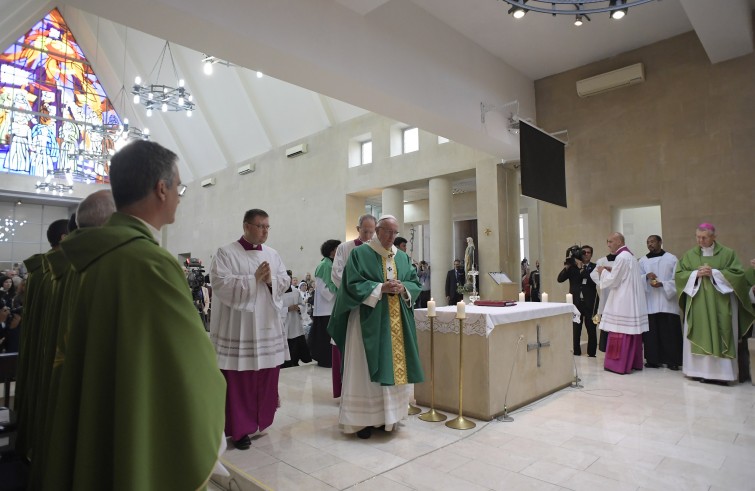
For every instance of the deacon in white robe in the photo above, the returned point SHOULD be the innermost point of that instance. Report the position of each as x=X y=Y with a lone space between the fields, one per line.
x=625 y=315
x=248 y=281
x=366 y=230
x=663 y=342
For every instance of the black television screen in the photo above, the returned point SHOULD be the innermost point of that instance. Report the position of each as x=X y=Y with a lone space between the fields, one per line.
x=543 y=165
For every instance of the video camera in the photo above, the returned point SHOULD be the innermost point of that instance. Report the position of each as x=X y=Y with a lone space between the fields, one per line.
x=574 y=254
x=197 y=279
x=195 y=276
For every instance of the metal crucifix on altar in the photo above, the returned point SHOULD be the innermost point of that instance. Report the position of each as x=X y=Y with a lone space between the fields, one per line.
x=537 y=345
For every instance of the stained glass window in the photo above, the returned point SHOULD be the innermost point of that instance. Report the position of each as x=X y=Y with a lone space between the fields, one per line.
x=55 y=117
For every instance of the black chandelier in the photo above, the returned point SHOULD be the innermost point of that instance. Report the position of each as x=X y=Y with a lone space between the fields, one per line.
x=580 y=9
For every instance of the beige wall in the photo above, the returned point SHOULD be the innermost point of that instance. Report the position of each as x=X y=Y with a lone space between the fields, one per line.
x=684 y=139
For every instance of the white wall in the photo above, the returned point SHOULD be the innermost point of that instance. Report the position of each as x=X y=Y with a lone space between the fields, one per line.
x=306 y=196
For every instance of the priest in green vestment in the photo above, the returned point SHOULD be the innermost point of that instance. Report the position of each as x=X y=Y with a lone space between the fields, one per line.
x=373 y=325
x=713 y=295
x=31 y=373
x=141 y=400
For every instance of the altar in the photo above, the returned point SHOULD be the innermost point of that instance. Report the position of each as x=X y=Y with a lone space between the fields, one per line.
x=528 y=342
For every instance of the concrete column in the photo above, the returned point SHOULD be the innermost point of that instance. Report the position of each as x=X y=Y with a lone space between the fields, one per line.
x=393 y=204
x=441 y=236
x=510 y=257
x=354 y=209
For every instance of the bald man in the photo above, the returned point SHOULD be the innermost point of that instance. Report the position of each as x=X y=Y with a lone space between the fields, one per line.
x=625 y=316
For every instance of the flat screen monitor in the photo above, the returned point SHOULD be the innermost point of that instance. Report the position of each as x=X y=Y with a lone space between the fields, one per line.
x=543 y=165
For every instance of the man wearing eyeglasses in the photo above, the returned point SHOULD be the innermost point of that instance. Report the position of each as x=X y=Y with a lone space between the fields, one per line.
x=139 y=378
x=373 y=325
x=248 y=283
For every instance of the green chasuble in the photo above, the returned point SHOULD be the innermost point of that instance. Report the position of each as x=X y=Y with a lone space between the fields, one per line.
x=708 y=313
x=364 y=271
x=37 y=290
x=141 y=401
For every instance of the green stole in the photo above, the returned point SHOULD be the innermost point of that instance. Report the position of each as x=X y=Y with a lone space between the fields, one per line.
x=708 y=313
x=323 y=271
x=364 y=271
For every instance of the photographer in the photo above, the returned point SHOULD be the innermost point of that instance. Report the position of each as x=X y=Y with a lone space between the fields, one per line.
x=577 y=269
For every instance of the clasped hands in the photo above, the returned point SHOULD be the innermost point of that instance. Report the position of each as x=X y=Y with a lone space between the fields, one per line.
x=263 y=273
x=392 y=287
x=705 y=270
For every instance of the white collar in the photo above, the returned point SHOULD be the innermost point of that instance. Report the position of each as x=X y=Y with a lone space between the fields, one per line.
x=378 y=247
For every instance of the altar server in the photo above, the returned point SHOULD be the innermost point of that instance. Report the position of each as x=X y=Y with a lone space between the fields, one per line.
x=663 y=342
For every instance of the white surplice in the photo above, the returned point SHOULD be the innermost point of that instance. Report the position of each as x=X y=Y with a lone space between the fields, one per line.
x=339 y=260
x=626 y=308
x=662 y=299
x=245 y=325
x=602 y=292
x=292 y=325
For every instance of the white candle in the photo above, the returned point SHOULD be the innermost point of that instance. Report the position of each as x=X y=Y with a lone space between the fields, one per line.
x=569 y=298
x=431 y=308
x=521 y=296
x=461 y=310
x=543 y=297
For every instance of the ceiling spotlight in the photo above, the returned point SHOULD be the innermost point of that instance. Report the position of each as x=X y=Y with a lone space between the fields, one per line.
x=578 y=20
x=207 y=67
x=260 y=74
x=518 y=11
x=620 y=13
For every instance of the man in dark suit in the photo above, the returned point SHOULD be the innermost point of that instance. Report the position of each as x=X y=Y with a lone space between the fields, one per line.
x=454 y=279
x=584 y=292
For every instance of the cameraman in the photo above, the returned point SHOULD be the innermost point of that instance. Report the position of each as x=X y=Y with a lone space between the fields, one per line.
x=10 y=319
x=577 y=269
x=423 y=273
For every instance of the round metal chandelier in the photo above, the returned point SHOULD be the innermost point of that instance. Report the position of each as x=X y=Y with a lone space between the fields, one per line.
x=579 y=8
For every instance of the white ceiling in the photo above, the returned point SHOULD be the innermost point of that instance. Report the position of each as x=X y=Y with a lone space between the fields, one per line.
x=241 y=116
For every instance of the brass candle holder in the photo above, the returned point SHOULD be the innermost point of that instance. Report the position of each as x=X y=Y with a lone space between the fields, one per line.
x=432 y=415
x=413 y=409
x=460 y=422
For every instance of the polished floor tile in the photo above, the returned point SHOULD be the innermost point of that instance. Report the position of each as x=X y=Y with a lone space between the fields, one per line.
x=651 y=430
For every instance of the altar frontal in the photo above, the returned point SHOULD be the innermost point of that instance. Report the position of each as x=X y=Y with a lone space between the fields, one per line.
x=495 y=350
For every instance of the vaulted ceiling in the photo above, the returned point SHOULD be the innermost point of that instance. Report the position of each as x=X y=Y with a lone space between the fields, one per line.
x=424 y=62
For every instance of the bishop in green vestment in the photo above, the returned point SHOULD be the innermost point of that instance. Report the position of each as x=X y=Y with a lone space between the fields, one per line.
x=713 y=296
x=373 y=325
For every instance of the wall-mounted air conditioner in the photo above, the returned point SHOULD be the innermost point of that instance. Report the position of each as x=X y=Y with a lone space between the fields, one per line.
x=246 y=169
x=623 y=77
x=208 y=182
x=296 y=151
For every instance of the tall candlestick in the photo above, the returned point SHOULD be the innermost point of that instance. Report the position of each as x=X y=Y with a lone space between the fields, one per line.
x=521 y=296
x=431 y=308
x=569 y=298
x=543 y=297
x=461 y=310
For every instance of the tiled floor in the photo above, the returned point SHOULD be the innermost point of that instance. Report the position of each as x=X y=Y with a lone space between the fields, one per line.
x=653 y=429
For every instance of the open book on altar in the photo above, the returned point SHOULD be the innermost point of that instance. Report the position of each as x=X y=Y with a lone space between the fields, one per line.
x=500 y=278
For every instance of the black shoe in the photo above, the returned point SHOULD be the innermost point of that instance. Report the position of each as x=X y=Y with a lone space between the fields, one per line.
x=652 y=365
x=673 y=367
x=591 y=356
x=243 y=444
x=364 y=433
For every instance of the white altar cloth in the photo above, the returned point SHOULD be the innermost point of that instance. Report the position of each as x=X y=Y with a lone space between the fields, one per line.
x=482 y=320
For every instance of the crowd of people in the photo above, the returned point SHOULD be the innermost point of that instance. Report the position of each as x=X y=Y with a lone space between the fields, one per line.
x=118 y=381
